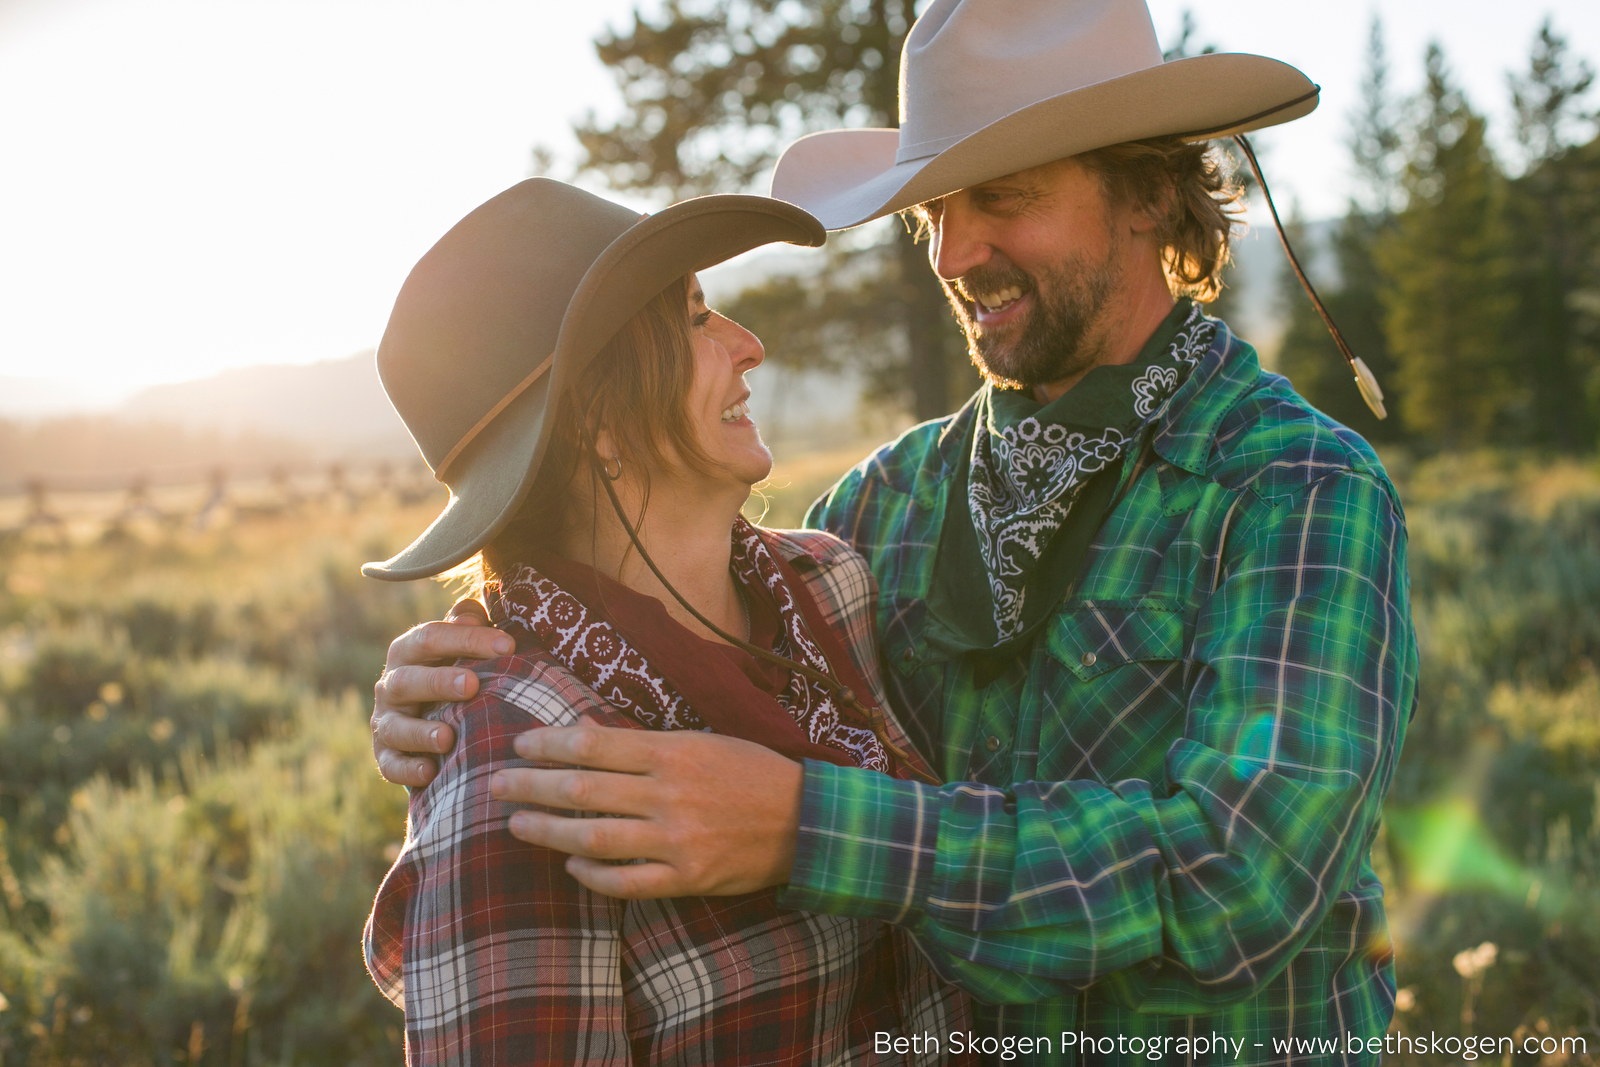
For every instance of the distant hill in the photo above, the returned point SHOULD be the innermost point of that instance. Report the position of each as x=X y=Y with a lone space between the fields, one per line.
x=335 y=407
x=103 y=451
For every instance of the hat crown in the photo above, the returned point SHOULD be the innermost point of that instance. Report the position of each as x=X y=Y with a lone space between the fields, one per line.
x=968 y=63
x=485 y=305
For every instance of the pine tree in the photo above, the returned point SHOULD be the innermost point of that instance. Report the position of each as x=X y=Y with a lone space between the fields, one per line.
x=1446 y=271
x=1308 y=354
x=1553 y=222
x=844 y=317
x=714 y=90
x=1546 y=99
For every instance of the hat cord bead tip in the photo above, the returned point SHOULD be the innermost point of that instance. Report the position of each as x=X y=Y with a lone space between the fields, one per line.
x=1367 y=382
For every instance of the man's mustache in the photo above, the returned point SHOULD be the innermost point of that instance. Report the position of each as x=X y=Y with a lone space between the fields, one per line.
x=988 y=280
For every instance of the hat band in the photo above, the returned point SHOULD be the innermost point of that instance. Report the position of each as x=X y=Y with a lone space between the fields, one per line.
x=921 y=150
x=477 y=428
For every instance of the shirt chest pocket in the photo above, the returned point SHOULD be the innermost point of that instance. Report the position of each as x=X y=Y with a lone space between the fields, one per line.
x=1095 y=637
x=1125 y=698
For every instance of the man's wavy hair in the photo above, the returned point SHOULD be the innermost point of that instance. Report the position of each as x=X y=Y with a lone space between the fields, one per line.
x=1189 y=187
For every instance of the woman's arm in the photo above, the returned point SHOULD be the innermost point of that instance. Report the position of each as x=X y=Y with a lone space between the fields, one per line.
x=496 y=954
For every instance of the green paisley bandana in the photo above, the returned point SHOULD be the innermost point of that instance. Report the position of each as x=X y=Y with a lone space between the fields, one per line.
x=1028 y=471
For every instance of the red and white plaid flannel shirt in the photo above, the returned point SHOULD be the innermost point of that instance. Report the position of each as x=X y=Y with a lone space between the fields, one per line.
x=499 y=957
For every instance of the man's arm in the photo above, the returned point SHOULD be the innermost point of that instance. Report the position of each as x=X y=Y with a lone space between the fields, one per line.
x=419 y=671
x=1186 y=893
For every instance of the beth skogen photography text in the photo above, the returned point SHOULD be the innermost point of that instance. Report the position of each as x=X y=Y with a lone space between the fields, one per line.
x=1217 y=1047
x=796 y=532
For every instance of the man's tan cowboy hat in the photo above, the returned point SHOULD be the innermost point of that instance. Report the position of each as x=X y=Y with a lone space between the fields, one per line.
x=990 y=87
x=499 y=317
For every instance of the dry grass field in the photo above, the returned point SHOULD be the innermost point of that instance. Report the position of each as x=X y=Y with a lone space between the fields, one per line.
x=191 y=828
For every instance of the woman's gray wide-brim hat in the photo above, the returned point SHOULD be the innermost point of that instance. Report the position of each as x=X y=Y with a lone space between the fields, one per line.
x=992 y=87
x=497 y=319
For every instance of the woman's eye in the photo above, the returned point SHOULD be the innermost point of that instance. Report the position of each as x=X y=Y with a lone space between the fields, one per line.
x=701 y=319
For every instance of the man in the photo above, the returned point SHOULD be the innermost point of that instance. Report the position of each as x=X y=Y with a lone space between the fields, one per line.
x=1147 y=610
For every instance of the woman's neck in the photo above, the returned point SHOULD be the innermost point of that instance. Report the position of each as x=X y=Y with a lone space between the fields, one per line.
x=688 y=533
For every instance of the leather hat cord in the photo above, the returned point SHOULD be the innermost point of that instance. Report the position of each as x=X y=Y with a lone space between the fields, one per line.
x=1365 y=381
x=844 y=693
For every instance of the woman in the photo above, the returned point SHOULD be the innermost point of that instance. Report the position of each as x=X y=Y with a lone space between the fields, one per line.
x=597 y=491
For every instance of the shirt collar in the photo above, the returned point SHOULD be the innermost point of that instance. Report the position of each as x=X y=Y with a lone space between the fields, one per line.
x=1185 y=430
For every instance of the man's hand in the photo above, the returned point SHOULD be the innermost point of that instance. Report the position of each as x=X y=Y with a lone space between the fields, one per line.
x=713 y=815
x=417 y=673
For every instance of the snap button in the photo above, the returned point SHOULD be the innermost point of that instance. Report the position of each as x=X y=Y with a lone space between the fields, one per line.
x=1088 y=659
x=993 y=744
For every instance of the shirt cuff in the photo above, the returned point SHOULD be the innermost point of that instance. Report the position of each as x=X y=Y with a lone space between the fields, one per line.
x=866 y=845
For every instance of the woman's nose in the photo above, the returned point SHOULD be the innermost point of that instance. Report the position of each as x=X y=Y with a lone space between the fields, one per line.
x=744 y=348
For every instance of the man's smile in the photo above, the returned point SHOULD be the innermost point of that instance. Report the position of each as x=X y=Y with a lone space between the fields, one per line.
x=996 y=308
x=1008 y=310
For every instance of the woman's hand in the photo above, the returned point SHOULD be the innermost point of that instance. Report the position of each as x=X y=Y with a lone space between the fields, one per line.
x=711 y=815
x=417 y=673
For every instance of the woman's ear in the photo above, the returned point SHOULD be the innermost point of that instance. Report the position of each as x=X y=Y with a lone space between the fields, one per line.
x=605 y=445
x=606 y=454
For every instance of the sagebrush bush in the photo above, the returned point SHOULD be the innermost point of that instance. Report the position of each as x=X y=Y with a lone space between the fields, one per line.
x=1493 y=822
x=191 y=829
x=220 y=908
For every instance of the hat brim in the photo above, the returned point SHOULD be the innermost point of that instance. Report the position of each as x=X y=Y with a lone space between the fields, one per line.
x=491 y=477
x=848 y=177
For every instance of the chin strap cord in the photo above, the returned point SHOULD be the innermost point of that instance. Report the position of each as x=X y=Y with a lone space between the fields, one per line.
x=1365 y=381
x=842 y=692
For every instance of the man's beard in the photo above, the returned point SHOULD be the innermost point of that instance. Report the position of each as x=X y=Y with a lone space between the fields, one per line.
x=1057 y=339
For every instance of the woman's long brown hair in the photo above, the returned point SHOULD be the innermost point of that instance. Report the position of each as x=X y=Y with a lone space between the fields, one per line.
x=637 y=388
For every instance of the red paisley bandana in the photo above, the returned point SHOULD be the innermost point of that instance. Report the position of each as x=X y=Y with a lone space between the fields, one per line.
x=625 y=647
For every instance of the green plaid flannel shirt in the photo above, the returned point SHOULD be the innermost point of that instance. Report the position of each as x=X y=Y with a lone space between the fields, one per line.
x=1157 y=823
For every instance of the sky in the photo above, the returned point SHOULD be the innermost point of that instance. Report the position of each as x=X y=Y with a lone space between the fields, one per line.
x=192 y=185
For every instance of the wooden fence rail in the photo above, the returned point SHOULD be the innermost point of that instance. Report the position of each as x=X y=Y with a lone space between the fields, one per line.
x=51 y=510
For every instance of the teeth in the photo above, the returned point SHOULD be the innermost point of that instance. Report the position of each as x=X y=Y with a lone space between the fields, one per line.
x=995 y=301
x=737 y=411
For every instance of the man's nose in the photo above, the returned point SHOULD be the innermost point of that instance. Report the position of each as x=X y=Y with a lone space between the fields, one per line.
x=958 y=243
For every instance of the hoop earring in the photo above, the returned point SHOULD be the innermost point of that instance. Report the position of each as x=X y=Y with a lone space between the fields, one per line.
x=612 y=466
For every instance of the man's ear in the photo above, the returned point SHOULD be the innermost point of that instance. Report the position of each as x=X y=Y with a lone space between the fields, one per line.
x=1148 y=216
